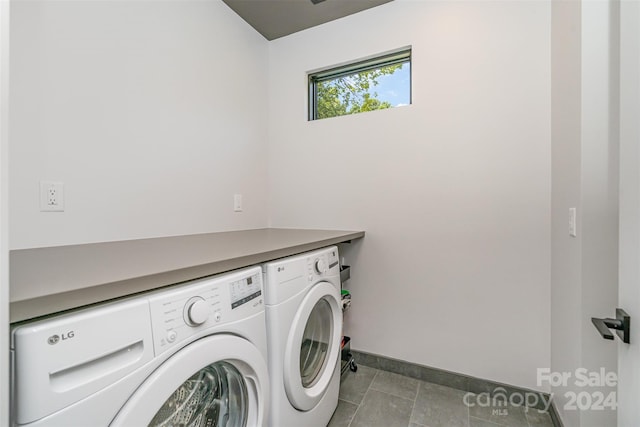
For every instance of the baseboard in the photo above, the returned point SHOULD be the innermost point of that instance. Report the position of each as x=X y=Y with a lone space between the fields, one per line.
x=453 y=380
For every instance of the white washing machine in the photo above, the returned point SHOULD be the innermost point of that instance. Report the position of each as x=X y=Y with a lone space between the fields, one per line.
x=304 y=330
x=193 y=354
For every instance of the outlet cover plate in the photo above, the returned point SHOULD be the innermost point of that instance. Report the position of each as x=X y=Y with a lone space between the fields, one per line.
x=51 y=196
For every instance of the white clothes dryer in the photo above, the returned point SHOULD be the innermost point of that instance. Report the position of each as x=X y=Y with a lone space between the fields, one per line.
x=193 y=354
x=304 y=330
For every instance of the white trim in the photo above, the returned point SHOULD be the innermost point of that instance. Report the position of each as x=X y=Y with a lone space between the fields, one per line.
x=4 y=211
x=629 y=291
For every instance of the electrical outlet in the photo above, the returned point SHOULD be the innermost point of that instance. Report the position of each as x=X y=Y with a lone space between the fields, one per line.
x=51 y=196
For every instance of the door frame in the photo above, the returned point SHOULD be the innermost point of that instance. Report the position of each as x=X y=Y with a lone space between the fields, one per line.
x=4 y=211
x=629 y=234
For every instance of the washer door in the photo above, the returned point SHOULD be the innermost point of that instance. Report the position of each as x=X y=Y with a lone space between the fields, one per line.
x=313 y=346
x=216 y=381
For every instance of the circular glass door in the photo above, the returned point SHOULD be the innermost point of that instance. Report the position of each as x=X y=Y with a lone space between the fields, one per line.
x=313 y=346
x=315 y=343
x=217 y=381
x=214 y=396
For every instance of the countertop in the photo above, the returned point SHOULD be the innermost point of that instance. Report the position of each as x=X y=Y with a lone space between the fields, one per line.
x=53 y=279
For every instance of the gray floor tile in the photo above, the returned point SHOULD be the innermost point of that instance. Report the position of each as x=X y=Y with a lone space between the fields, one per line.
x=538 y=419
x=439 y=406
x=375 y=398
x=504 y=415
x=396 y=384
x=477 y=422
x=355 y=384
x=343 y=415
x=380 y=409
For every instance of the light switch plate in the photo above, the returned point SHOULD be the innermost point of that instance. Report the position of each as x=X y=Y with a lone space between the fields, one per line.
x=572 y=223
x=237 y=202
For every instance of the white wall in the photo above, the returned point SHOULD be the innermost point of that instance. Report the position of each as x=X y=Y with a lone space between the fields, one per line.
x=600 y=176
x=585 y=66
x=152 y=113
x=453 y=191
x=566 y=251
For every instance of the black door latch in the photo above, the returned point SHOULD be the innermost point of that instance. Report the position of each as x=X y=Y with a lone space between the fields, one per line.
x=621 y=324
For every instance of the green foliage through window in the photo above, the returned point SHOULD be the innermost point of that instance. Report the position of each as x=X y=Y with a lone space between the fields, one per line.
x=375 y=84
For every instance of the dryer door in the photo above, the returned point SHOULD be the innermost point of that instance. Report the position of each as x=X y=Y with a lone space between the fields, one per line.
x=216 y=381
x=313 y=346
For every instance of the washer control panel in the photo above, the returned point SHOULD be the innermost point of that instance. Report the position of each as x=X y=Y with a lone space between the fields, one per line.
x=196 y=311
x=245 y=290
x=188 y=309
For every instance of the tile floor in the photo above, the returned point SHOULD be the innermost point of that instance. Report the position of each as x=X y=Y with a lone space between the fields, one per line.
x=374 y=398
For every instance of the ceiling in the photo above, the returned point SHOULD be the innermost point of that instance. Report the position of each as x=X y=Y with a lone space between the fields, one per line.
x=278 y=18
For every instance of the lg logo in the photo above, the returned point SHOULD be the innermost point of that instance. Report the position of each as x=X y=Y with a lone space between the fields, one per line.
x=54 y=339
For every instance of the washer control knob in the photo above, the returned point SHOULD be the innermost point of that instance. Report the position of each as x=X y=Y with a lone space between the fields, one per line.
x=171 y=336
x=320 y=266
x=196 y=311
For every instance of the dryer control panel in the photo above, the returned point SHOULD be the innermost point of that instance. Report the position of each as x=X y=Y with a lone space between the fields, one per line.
x=292 y=275
x=179 y=313
x=322 y=263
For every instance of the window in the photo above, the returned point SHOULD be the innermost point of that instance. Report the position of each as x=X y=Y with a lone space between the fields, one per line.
x=373 y=84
